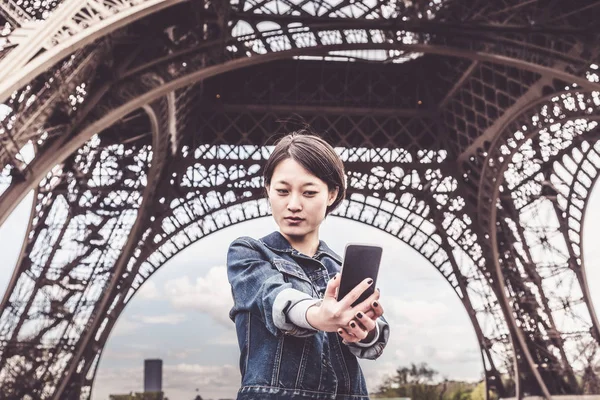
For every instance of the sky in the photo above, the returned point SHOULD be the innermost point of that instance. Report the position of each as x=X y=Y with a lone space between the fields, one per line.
x=180 y=315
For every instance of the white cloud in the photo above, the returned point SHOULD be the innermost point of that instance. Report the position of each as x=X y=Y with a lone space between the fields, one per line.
x=210 y=294
x=125 y=327
x=445 y=355
x=182 y=354
x=180 y=381
x=167 y=319
x=431 y=331
x=227 y=338
x=123 y=354
x=117 y=381
x=414 y=312
x=212 y=381
x=376 y=371
x=148 y=291
x=4 y=111
x=12 y=233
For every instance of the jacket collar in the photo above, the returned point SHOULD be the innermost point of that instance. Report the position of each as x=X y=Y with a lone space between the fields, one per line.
x=277 y=242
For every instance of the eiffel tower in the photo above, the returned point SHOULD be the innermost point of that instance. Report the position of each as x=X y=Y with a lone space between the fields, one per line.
x=469 y=130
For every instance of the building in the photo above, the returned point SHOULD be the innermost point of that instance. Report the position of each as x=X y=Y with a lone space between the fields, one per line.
x=152 y=375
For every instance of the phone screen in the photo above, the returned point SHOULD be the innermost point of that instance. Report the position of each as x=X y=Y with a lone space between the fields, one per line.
x=361 y=261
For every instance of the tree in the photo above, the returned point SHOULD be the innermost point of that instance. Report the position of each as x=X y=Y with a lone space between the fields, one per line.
x=419 y=383
x=416 y=382
x=479 y=392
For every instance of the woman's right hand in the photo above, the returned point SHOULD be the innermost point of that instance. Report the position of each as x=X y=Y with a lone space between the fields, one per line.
x=333 y=315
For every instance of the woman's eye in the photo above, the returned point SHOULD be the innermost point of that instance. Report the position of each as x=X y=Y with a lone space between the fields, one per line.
x=310 y=193
x=281 y=191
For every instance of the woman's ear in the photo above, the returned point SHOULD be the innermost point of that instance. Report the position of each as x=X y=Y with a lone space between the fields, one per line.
x=267 y=197
x=332 y=196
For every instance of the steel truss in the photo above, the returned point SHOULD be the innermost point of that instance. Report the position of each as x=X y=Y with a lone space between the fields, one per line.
x=468 y=131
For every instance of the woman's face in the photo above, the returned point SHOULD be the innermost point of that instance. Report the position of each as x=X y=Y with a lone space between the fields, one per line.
x=298 y=199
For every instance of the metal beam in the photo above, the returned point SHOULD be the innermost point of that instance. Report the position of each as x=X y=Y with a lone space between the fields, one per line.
x=325 y=110
x=159 y=136
x=458 y=85
x=418 y=26
x=24 y=69
x=58 y=151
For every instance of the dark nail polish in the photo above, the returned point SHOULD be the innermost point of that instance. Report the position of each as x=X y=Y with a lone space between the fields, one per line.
x=335 y=277
x=375 y=304
x=370 y=281
x=359 y=314
x=352 y=324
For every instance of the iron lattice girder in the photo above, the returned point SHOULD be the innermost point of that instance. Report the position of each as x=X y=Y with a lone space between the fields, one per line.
x=49 y=305
x=36 y=172
x=512 y=159
x=192 y=218
x=83 y=261
x=437 y=256
x=359 y=86
x=561 y=50
x=502 y=64
x=77 y=378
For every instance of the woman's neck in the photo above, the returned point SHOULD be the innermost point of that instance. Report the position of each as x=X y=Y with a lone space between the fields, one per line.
x=305 y=245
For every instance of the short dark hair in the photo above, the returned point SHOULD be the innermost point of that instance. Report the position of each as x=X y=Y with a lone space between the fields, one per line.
x=315 y=155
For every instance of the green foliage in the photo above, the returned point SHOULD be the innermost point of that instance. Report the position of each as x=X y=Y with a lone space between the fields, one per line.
x=479 y=392
x=418 y=382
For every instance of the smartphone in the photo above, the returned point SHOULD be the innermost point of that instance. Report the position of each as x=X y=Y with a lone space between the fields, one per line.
x=361 y=261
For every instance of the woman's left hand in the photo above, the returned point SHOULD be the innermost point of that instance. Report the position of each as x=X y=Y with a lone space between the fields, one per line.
x=364 y=321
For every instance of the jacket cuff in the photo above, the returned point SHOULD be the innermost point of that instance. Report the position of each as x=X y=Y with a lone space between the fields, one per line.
x=373 y=341
x=297 y=313
x=374 y=350
x=286 y=300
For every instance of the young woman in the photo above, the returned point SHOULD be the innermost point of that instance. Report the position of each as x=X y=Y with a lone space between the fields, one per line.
x=297 y=341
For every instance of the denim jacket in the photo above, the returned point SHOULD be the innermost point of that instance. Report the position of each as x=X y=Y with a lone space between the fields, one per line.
x=279 y=359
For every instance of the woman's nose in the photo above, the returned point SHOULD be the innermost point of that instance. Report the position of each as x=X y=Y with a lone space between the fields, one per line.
x=294 y=204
